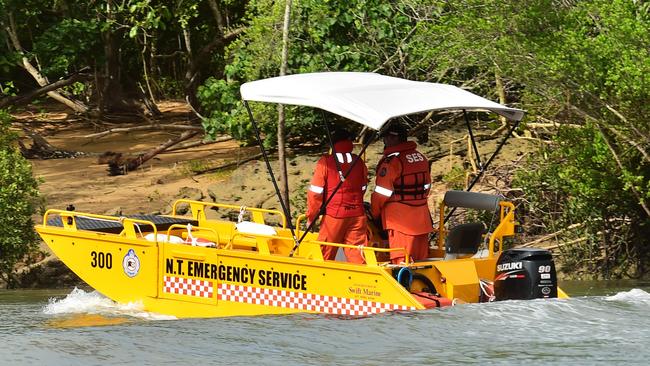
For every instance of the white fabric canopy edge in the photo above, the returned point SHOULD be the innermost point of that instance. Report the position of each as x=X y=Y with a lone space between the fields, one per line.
x=368 y=98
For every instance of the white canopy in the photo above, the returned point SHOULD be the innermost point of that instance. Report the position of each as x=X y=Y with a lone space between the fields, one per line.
x=368 y=98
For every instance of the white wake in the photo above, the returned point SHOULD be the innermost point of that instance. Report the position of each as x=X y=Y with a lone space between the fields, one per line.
x=81 y=302
x=634 y=296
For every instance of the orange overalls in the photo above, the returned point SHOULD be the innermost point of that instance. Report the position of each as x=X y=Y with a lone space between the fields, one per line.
x=400 y=199
x=344 y=220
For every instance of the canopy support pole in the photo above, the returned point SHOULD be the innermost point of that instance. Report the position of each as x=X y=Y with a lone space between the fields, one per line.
x=268 y=167
x=471 y=136
x=484 y=167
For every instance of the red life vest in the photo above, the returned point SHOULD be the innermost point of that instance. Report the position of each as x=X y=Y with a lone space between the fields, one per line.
x=348 y=199
x=413 y=185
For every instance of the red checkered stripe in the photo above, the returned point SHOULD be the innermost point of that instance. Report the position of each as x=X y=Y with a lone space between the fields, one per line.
x=303 y=301
x=188 y=286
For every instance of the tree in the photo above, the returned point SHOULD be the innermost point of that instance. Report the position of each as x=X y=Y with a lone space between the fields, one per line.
x=138 y=50
x=334 y=35
x=583 y=65
x=18 y=199
x=284 y=177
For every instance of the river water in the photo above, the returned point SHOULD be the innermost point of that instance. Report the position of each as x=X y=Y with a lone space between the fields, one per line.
x=603 y=323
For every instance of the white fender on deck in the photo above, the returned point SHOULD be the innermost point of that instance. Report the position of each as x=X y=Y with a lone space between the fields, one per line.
x=164 y=238
x=255 y=228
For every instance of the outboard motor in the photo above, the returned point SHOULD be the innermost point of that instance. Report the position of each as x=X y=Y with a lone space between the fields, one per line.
x=525 y=273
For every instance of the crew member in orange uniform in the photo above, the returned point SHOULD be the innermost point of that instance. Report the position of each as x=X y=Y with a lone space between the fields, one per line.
x=400 y=197
x=344 y=220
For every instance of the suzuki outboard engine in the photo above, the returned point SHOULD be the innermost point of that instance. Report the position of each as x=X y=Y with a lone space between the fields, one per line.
x=524 y=274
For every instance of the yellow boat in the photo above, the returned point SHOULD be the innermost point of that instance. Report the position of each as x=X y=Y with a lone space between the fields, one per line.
x=192 y=266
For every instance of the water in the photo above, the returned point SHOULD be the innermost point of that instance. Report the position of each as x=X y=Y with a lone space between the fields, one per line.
x=603 y=323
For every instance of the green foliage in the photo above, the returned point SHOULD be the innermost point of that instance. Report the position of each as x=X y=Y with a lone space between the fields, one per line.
x=68 y=43
x=579 y=63
x=228 y=115
x=139 y=42
x=456 y=178
x=18 y=193
x=593 y=62
x=7 y=136
x=579 y=183
x=298 y=199
x=170 y=88
x=7 y=89
x=332 y=35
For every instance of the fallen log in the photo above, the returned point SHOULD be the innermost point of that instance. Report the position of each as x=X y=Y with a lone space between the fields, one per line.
x=153 y=126
x=200 y=143
x=119 y=165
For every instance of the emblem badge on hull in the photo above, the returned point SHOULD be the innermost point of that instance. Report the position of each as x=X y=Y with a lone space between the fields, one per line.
x=131 y=263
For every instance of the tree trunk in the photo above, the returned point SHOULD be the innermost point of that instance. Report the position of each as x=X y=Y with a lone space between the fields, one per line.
x=501 y=92
x=113 y=98
x=284 y=177
x=216 y=12
x=190 y=72
x=120 y=166
x=28 y=97
x=197 y=59
x=154 y=127
x=41 y=149
x=10 y=28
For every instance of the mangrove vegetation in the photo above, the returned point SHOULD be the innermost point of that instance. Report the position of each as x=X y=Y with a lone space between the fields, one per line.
x=581 y=70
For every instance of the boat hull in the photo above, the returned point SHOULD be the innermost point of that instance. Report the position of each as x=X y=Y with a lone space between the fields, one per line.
x=189 y=281
x=213 y=268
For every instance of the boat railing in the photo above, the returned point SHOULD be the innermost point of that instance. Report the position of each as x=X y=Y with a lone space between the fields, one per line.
x=299 y=221
x=479 y=201
x=371 y=259
x=368 y=252
x=134 y=228
x=311 y=249
x=131 y=227
x=196 y=232
x=199 y=208
x=506 y=227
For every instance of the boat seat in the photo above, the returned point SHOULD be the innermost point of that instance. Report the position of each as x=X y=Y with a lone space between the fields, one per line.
x=464 y=240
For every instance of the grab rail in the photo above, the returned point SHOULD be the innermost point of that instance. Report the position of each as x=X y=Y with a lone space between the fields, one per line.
x=197 y=228
x=198 y=210
x=299 y=220
x=368 y=251
x=506 y=226
x=370 y=260
x=68 y=219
